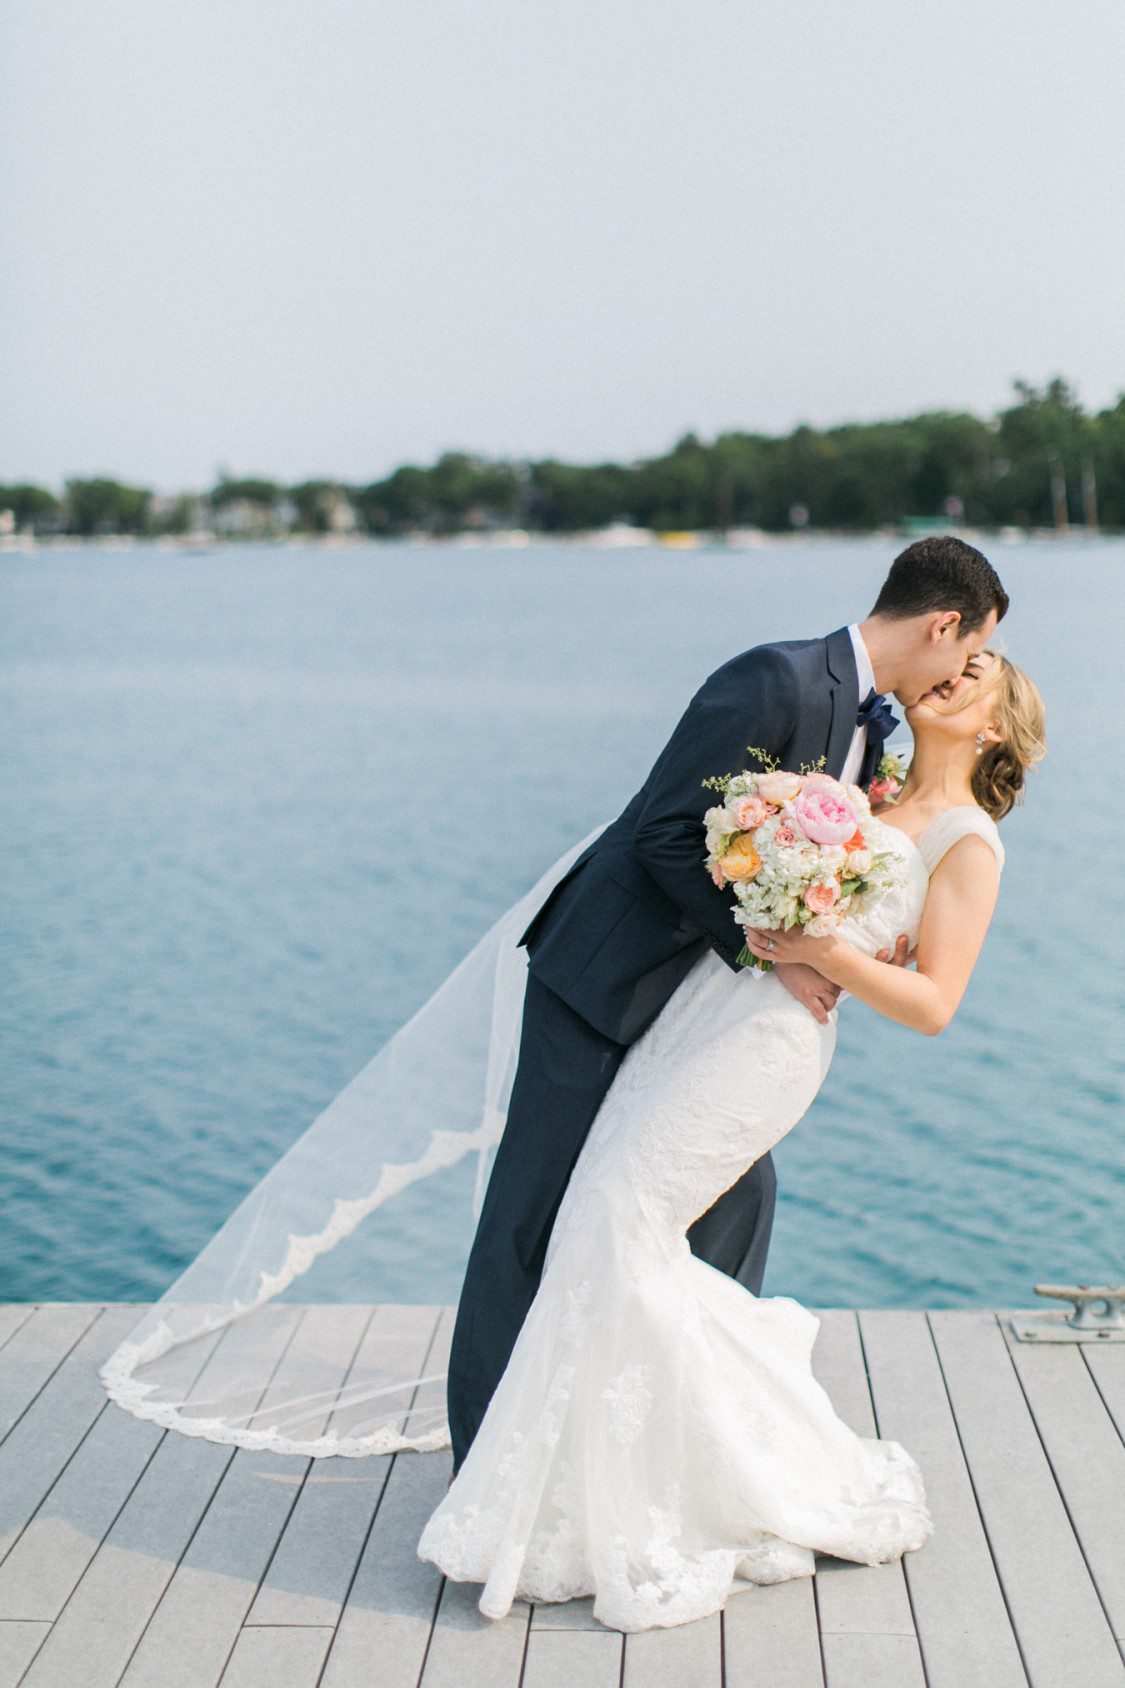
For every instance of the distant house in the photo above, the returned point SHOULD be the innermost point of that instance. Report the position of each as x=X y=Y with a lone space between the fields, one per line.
x=184 y=513
x=338 y=511
x=249 y=518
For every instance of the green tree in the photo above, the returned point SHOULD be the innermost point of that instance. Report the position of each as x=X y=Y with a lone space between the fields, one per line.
x=35 y=509
x=252 y=489
x=102 y=506
x=1043 y=435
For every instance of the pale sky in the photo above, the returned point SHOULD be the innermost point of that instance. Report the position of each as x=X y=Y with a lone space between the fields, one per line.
x=323 y=237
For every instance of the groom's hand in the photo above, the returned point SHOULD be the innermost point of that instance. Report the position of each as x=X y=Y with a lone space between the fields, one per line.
x=812 y=990
x=902 y=956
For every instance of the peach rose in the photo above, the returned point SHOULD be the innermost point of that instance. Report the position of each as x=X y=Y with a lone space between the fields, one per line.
x=822 y=896
x=825 y=816
x=741 y=861
x=785 y=836
x=747 y=812
x=778 y=787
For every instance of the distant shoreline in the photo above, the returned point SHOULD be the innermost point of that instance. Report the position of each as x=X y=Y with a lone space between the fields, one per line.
x=519 y=539
x=1043 y=465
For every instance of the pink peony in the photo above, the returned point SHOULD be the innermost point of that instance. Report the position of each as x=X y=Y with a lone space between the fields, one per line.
x=822 y=895
x=778 y=787
x=825 y=816
x=748 y=812
x=823 y=782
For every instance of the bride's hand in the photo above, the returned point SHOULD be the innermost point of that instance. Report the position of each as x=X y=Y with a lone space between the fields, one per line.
x=792 y=946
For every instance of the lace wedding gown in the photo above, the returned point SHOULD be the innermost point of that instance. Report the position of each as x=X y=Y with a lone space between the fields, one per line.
x=658 y=1432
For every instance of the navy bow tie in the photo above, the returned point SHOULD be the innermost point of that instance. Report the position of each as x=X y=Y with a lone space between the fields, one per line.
x=875 y=714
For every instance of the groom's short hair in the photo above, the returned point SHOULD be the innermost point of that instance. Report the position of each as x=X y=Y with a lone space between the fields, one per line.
x=942 y=573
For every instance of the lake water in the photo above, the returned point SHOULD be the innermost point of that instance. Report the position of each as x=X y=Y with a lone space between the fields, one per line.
x=219 y=772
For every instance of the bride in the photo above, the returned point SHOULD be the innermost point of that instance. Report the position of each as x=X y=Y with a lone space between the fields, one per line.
x=658 y=1435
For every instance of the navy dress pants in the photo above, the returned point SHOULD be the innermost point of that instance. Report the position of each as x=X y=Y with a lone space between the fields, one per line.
x=565 y=1068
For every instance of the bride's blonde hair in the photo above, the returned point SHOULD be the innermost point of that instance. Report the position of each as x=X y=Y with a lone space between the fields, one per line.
x=1002 y=769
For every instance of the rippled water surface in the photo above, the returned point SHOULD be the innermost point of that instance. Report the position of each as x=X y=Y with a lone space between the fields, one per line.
x=229 y=780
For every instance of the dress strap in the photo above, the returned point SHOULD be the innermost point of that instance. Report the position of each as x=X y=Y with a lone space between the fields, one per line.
x=963 y=822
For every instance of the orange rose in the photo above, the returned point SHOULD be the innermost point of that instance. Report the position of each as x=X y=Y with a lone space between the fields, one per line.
x=741 y=861
x=856 y=842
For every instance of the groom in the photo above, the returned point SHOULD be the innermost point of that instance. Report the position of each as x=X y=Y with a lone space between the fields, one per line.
x=636 y=910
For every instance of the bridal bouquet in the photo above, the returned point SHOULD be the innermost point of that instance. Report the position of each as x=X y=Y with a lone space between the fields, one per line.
x=795 y=849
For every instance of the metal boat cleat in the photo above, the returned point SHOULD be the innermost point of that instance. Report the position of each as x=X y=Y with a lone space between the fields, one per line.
x=1098 y=1316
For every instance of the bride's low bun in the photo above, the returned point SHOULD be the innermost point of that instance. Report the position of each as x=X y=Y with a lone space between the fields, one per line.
x=1001 y=772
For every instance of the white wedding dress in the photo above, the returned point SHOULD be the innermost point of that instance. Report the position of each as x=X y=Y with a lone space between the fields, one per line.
x=658 y=1434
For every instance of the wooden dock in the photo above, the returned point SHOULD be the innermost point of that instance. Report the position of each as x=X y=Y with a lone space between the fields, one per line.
x=134 y=1555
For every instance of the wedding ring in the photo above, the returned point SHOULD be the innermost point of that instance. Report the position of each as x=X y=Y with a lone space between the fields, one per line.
x=769 y=943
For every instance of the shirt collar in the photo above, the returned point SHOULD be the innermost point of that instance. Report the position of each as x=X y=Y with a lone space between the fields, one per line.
x=865 y=674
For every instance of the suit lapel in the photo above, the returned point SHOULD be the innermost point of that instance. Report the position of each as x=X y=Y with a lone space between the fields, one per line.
x=844 y=697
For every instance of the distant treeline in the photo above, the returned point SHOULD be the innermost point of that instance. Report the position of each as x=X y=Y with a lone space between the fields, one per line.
x=1042 y=462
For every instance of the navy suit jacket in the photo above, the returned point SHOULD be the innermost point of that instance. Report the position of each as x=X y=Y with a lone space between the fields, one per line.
x=637 y=909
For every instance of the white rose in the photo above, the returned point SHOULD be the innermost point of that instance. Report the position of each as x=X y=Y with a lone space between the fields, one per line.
x=778 y=787
x=821 y=926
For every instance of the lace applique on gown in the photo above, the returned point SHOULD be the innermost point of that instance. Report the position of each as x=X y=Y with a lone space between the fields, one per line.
x=658 y=1433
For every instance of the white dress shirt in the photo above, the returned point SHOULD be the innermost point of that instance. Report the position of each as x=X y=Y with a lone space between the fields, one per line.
x=853 y=761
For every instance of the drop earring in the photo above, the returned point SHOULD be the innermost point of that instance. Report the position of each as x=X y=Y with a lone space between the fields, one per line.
x=980 y=744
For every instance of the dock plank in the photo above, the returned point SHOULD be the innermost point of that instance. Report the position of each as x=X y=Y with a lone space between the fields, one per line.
x=566 y=1614
x=309 y=1575
x=19 y=1643
x=193 y=1630
x=98 y=1629
x=67 y=1528
x=963 y=1625
x=388 y=1615
x=278 y=1656
x=13 y=1314
x=770 y=1636
x=34 y=1351
x=688 y=1656
x=1063 y=1633
x=468 y=1650
x=1087 y=1457
x=1107 y=1368
x=854 y=1599
x=872 y=1661
x=558 y=1658
x=58 y=1417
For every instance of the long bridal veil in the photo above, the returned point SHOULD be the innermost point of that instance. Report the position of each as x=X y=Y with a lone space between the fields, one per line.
x=269 y=1339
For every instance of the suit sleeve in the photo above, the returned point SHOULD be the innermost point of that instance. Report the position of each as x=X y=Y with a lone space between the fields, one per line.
x=752 y=700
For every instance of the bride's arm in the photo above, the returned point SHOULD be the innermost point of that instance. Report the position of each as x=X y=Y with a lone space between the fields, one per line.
x=959 y=905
